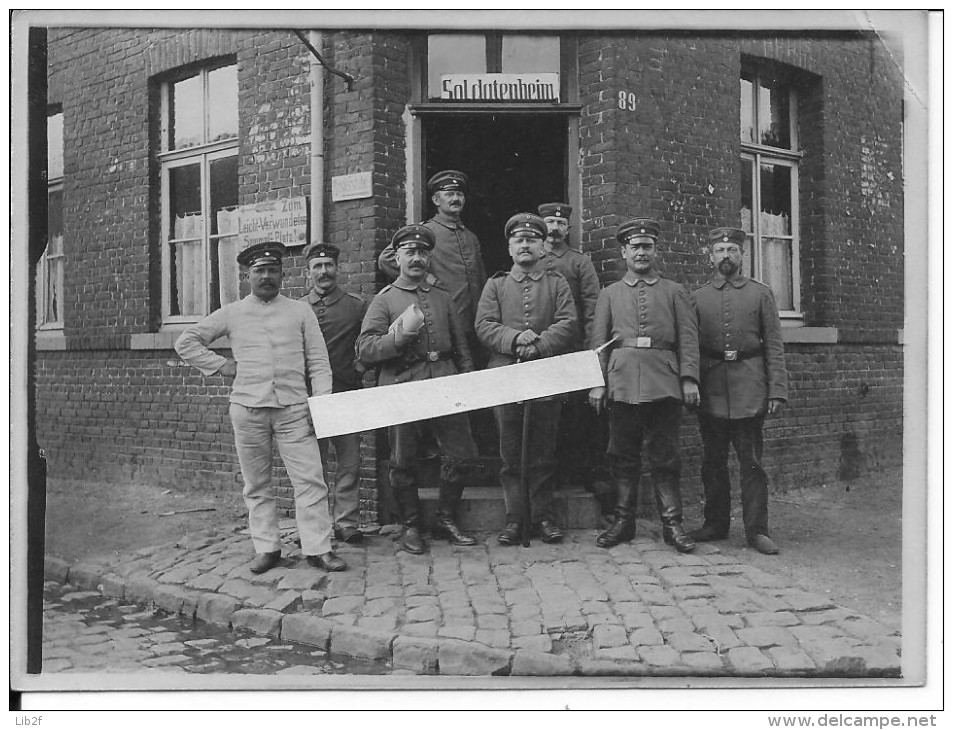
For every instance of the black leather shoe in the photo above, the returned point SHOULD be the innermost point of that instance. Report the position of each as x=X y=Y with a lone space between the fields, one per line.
x=348 y=534
x=411 y=541
x=265 y=561
x=708 y=533
x=329 y=562
x=622 y=531
x=446 y=529
x=510 y=534
x=549 y=531
x=763 y=544
x=675 y=535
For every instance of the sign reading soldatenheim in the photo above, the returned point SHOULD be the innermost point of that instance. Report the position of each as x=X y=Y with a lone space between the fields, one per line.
x=500 y=87
x=285 y=221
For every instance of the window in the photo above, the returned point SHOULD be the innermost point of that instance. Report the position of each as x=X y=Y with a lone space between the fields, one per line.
x=449 y=53
x=199 y=176
x=769 y=186
x=49 y=275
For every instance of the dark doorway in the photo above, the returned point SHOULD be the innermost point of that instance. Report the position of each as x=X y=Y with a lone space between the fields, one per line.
x=514 y=162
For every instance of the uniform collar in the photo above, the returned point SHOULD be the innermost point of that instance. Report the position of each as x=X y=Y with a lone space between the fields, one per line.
x=633 y=279
x=719 y=282
x=402 y=282
x=558 y=254
x=252 y=299
x=332 y=297
x=447 y=222
x=520 y=275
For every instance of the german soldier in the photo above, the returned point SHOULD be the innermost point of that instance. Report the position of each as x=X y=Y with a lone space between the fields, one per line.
x=743 y=379
x=412 y=332
x=524 y=314
x=276 y=344
x=651 y=369
x=340 y=315
x=582 y=437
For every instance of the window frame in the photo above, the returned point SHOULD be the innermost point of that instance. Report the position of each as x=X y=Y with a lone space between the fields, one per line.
x=45 y=273
x=756 y=155
x=203 y=155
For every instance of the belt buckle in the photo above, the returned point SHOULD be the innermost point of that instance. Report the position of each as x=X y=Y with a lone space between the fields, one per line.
x=731 y=355
x=433 y=356
x=643 y=341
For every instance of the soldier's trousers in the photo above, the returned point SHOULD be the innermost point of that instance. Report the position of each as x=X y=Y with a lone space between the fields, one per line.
x=745 y=434
x=654 y=427
x=458 y=456
x=541 y=464
x=345 y=497
x=290 y=428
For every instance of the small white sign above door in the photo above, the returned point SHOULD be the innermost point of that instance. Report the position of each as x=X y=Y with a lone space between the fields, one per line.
x=500 y=87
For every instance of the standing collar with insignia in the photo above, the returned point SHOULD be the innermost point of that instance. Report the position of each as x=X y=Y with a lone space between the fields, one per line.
x=402 y=282
x=447 y=222
x=633 y=279
x=330 y=298
x=520 y=274
x=719 y=282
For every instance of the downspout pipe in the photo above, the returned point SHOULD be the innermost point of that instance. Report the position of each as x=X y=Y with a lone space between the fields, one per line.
x=316 y=74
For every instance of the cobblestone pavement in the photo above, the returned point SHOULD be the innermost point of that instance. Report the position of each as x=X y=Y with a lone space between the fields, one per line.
x=85 y=631
x=637 y=609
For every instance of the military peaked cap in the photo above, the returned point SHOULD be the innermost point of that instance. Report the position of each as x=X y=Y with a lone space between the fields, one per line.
x=448 y=180
x=320 y=249
x=526 y=222
x=637 y=228
x=413 y=234
x=727 y=235
x=558 y=210
x=266 y=252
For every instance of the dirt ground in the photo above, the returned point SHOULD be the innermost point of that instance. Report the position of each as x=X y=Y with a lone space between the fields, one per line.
x=837 y=541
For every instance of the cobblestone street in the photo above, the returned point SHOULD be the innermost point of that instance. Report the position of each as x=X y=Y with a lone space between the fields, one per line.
x=85 y=631
x=639 y=609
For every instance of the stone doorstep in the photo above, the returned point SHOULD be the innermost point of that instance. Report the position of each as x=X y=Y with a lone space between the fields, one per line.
x=481 y=508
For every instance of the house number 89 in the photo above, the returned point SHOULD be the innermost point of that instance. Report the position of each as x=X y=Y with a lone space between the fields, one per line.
x=627 y=100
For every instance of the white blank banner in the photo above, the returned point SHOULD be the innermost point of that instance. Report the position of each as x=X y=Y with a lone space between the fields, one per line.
x=364 y=410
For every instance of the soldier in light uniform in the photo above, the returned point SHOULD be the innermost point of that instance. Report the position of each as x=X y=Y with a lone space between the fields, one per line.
x=412 y=332
x=340 y=315
x=651 y=369
x=456 y=263
x=277 y=345
x=582 y=438
x=524 y=314
x=743 y=379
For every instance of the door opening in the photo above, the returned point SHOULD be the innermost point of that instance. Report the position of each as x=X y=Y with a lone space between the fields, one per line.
x=514 y=162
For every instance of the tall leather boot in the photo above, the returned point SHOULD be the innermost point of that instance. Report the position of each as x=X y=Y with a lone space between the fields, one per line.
x=668 y=499
x=409 y=502
x=627 y=494
x=444 y=526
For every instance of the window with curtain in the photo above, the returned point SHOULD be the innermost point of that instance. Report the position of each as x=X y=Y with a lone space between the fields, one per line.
x=199 y=176
x=49 y=275
x=769 y=185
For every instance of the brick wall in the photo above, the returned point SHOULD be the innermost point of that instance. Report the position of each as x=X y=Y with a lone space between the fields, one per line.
x=659 y=134
x=672 y=152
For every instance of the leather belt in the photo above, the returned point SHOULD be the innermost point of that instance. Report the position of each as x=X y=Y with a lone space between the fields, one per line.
x=434 y=356
x=730 y=355
x=641 y=343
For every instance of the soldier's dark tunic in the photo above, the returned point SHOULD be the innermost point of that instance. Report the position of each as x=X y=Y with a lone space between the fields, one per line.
x=513 y=302
x=439 y=349
x=340 y=315
x=456 y=265
x=657 y=347
x=742 y=367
